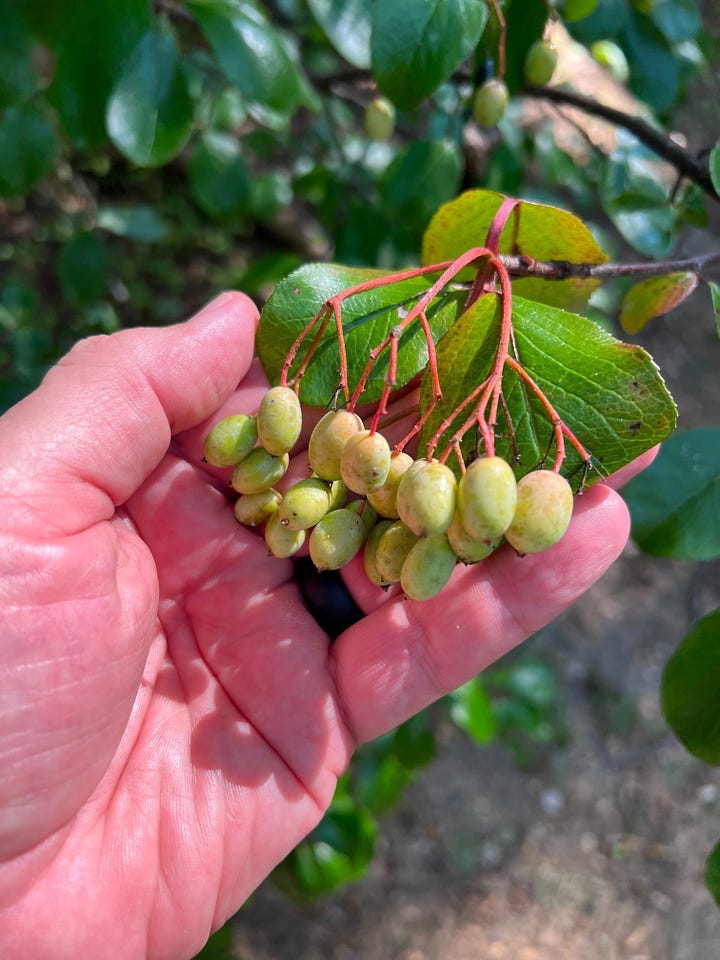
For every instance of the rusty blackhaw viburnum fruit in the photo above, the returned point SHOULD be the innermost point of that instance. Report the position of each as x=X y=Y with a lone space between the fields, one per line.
x=413 y=516
x=490 y=103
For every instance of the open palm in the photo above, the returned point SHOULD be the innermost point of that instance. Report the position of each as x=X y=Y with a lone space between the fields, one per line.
x=172 y=719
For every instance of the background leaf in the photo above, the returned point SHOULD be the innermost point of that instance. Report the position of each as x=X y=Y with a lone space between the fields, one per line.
x=675 y=504
x=92 y=42
x=416 y=44
x=654 y=297
x=27 y=149
x=609 y=393
x=712 y=873
x=541 y=231
x=367 y=318
x=715 y=167
x=420 y=177
x=715 y=297
x=348 y=25
x=18 y=76
x=218 y=176
x=250 y=52
x=471 y=709
x=83 y=268
x=150 y=112
x=691 y=690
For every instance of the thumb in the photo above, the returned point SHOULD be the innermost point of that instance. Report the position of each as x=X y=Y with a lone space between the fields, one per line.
x=102 y=418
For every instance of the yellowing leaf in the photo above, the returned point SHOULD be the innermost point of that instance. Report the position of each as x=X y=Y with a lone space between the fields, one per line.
x=654 y=297
x=534 y=229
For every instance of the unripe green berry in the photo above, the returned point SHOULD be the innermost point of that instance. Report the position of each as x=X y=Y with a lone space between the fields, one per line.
x=336 y=539
x=366 y=512
x=427 y=568
x=610 y=55
x=281 y=540
x=370 y=553
x=259 y=470
x=306 y=502
x=252 y=509
x=365 y=462
x=392 y=548
x=540 y=63
x=230 y=441
x=327 y=440
x=384 y=498
x=379 y=119
x=426 y=498
x=487 y=496
x=279 y=420
x=543 y=512
x=490 y=103
x=467 y=548
x=338 y=495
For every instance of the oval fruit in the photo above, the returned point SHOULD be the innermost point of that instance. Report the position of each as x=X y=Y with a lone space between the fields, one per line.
x=467 y=548
x=252 y=509
x=392 y=549
x=544 y=509
x=372 y=570
x=426 y=498
x=259 y=470
x=327 y=440
x=487 y=497
x=384 y=498
x=230 y=441
x=279 y=420
x=427 y=568
x=304 y=503
x=281 y=540
x=379 y=119
x=336 y=539
x=540 y=63
x=490 y=103
x=365 y=462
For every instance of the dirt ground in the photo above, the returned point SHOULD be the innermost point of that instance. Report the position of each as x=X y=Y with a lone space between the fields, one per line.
x=598 y=854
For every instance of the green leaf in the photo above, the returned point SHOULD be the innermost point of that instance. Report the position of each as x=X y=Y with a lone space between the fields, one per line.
x=578 y=9
x=715 y=167
x=250 y=52
x=715 y=297
x=27 y=149
x=348 y=25
x=417 y=44
x=712 y=873
x=609 y=393
x=654 y=297
x=338 y=851
x=150 y=112
x=653 y=71
x=136 y=222
x=636 y=201
x=525 y=21
x=422 y=176
x=218 y=177
x=367 y=319
x=471 y=711
x=219 y=946
x=18 y=76
x=675 y=504
x=677 y=20
x=540 y=231
x=604 y=23
x=92 y=42
x=83 y=268
x=691 y=690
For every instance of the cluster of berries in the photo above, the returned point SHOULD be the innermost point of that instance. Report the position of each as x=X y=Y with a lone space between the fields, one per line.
x=413 y=518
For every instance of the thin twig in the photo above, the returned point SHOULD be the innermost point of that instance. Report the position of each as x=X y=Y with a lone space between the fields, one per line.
x=690 y=165
x=524 y=266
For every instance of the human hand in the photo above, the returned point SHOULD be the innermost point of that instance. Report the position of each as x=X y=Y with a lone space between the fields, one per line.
x=172 y=718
